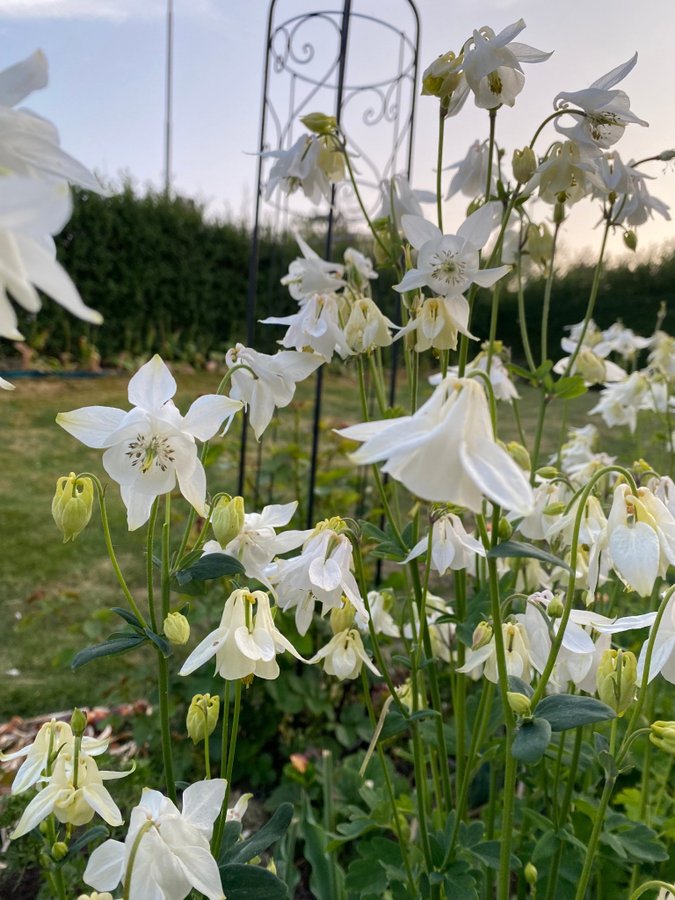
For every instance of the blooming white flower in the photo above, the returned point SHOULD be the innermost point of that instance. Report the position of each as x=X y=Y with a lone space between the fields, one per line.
x=492 y=65
x=268 y=382
x=316 y=326
x=51 y=739
x=516 y=651
x=624 y=341
x=29 y=144
x=446 y=452
x=152 y=445
x=344 y=655
x=399 y=199
x=620 y=402
x=311 y=274
x=258 y=543
x=539 y=523
x=244 y=643
x=502 y=386
x=607 y=111
x=367 y=327
x=450 y=263
x=663 y=654
x=30 y=212
x=301 y=166
x=382 y=620
x=470 y=178
x=592 y=367
x=451 y=546
x=565 y=176
x=436 y=322
x=358 y=267
x=167 y=849
x=323 y=573
x=72 y=799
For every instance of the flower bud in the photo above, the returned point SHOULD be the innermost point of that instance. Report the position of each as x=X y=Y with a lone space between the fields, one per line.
x=555 y=509
x=59 y=850
x=641 y=466
x=299 y=762
x=319 y=123
x=616 y=679
x=524 y=164
x=547 y=472
x=531 y=874
x=202 y=716
x=78 y=722
x=519 y=703
x=662 y=734
x=176 y=628
x=539 y=243
x=482 y=635
x=342 y=617
x=630 y=239
x=666 y=155
x=504 y=529
x=555 y=608
x=519 y=455
x=227 y=519
x=72 y=505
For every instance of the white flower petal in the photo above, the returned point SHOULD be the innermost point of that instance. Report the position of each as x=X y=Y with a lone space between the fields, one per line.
x=202 y=802
x=418 y=230
x=204 y=650
x=207 y=414
x=152 y=386
x=105 y=868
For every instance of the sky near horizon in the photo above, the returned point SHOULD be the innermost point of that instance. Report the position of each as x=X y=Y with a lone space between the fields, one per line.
x=107 y=71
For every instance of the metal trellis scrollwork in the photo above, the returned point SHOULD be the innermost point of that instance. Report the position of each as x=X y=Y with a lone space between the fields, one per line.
x=362 y=69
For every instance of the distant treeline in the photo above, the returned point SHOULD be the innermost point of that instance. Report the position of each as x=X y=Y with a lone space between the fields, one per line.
x=169 y=279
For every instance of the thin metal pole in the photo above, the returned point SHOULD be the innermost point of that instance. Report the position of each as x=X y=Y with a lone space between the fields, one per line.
x=344 y=38
x=168 y=91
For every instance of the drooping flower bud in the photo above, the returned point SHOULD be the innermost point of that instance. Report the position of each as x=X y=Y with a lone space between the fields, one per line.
x=616 y=679
x=556 y=607
x=531 y=874
x=482 y=635
x=519 y=703
x=662 y=734
x=202 y=716
x=519 y=455
x=342 y=617
x=59 y=850
x=319 y=123
x=72 y=505
x=227 y=519
x=630 y=239
x=176 y=628
x=524 y=164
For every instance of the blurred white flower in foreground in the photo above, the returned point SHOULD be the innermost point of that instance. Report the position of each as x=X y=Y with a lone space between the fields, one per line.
x=167 y=849
x=446 y=452
x=152 y=445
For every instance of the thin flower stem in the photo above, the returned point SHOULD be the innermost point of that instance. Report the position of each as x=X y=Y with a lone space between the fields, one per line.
x=439 y=167
x=594 y=838
x=162 y=663
x=126 y=891
x=562 y=812
x=359 y=199
x=55 y=874
x=522 y=318
x=150 y=563
x=234 y=732
x=100 y=493
x=548 y=289
x=652 y=886
x=217 y=832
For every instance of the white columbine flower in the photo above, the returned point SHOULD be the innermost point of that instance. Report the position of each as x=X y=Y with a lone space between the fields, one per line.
x=299 y=167
x=168 y=850
x=268 y=382
x=446 y=452
x=245 y=643
x=470 y=178
x=72 y=800
x=450 y=263
x=367 y=327
x=607 y=110
x=620 y=402
x=492 y=65
x=516 y=652
x=451 y=546
x=311 y=274
x=436 y=322
x=316 y=326
x=344 y=655
x=150 y=447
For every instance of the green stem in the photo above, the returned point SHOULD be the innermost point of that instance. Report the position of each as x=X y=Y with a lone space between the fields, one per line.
x=150 y=564
x=162 y=663
x=146 y=826
x=227 y=770
x=439 y=168
x=548 y=289
x=653 y=885
x=364 y=211
x=522 y=318
x=595 y=837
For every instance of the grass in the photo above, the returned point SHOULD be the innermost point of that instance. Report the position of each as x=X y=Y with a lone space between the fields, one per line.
x=56 y=597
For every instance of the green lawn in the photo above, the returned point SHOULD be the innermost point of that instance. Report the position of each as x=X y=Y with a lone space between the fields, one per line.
x=56 y=596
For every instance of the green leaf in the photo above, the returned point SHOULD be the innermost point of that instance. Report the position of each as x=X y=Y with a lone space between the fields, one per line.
x=366 y=877
x=488 y=852
x=563 y=711
x=209 y=566
x=127 y=616
x=108 y=648
x=243 y=882
x=272 y=831
x=161 y=643
x=459 y=882
x=531 y=740
x=92 y=834
x=518 y=686
x=514 y=549
x=570 y=387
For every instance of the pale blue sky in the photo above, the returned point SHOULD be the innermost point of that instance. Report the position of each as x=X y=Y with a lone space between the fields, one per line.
x=106 y=93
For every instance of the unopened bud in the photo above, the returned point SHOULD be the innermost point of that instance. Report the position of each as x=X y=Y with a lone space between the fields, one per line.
x=666 y=156
x=616 y=679
x=227 y=519
x=342 y=617
x=519 y=703
x=519 y=455
x=662 y=734
x=555 y=608
x=530 y=873
x=504 y=529
x=319 y=123
x=176 y=628
x=72 y=505
x=555 y=509
x=482 y=635
x=202 y=716
x=59 y=850
x=539 y=243
x=524 y=164
x=547 y=472
x=78 y=722
x=299 y=762
x=641 y=466
x=630 y=239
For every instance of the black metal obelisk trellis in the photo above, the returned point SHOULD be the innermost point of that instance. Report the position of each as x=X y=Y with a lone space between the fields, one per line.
x=361 y=68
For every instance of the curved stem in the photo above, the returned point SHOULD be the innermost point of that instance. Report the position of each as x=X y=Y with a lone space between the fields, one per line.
x=146 y=826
